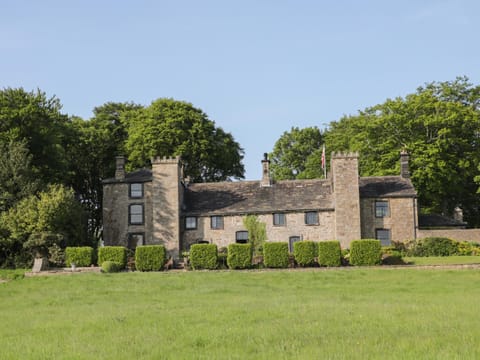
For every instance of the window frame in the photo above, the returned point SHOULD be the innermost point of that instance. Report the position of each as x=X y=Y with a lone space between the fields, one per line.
x=317 y=221
x=382 y=211
x=384 y=241
x=130 y=214
x=241 y=240
x=130 y=191
x=214 y=222
x=292 y=240
x=186 y=223
x=278 y=216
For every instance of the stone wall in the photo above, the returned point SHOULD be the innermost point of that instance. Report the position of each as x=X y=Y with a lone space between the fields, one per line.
x=401 y=221
x=166 y=201
x=295 y=226
x=455 y=234
x=116 y=202
x=347 y=197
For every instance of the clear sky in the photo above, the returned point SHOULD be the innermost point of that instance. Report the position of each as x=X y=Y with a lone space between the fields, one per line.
x=256 y=67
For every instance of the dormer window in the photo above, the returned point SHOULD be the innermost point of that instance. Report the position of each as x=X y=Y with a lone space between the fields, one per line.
x=136 y=190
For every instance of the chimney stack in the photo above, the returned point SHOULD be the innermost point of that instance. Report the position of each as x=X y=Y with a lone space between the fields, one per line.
x=120 y=167
x=404 y=168
x=266 y=180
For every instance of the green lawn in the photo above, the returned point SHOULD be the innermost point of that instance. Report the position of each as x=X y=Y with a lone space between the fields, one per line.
x=313 y=314
x=442 y=260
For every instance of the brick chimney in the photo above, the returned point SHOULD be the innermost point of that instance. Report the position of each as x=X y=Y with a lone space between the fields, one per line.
x=404 y=168
x=120 y=167
x=266 y=179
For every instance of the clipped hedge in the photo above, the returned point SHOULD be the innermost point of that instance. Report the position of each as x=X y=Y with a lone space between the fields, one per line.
x=111 y=266
x=203 y=256
x=113 y=253
x=329 y=253
x=365 y=252
x=275 y=254
x=150 y=257
x=239 y=256
x=80 y=256
x=305 y=252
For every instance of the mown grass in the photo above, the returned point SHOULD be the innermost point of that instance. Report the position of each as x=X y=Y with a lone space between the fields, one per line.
x=312 y=314
x=442 y=260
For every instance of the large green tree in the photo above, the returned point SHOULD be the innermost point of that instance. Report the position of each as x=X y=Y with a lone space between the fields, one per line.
x=91 y=156
x=439 y=125
x=291 y=153
x=36 y=119
x=17 y=179
x=168 y=127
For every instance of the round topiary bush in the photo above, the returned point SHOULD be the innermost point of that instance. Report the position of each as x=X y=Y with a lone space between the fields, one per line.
x=111 y=266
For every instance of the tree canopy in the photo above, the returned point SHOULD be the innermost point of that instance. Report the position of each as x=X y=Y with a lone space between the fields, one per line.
x=169 y=127
x=292 y=151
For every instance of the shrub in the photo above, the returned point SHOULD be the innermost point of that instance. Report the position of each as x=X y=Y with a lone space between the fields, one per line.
x=329 y=253
x=113 y=253
x=239 y=256
x=111 y=266
x=150 y=257
x=305 y=252
x=435 y=246
x=464 y=248
x=203 y=256
x=365 y=252
x=275 y=254
x=80 y=256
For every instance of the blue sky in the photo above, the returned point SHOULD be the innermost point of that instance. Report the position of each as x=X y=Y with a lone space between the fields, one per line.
x=257 y=68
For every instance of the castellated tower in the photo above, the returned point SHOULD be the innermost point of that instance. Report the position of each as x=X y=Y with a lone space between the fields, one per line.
x=167 y=194
x=347 y=197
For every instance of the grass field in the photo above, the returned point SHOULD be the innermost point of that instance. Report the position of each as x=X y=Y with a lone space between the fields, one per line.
x=442 y=260
x=312 y=314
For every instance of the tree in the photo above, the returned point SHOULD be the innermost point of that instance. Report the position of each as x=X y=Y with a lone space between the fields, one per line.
x=291 y=153
x=169 y=128
x=257 y=233
x=92 y=155
x=17 y=179
x=36 y=119
x=439 y=126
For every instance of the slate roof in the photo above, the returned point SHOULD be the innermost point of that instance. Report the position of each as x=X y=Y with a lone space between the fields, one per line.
x=438 y=221
x=386 y=186
x=142 y=175
x=249 y=197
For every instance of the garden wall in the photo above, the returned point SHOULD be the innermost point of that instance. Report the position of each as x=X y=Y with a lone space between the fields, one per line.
x=455 y=234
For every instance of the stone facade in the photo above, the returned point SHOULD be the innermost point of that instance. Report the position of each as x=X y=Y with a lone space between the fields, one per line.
x=171 y=212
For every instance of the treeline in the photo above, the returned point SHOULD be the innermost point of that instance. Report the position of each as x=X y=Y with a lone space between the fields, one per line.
x=439 y=126
x=52 y=165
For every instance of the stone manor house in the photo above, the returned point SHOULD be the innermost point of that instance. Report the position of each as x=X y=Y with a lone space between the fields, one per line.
x=159 y=206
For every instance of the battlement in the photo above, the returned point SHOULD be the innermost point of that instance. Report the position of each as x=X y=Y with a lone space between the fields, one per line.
x=166 y=160
x=345 y=155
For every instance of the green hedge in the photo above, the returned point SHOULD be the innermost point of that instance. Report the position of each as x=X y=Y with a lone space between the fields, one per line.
x=329 y=253
x=150 y=257
x=80 y=256
x=365 y=252
x=239 y=256
x=305 y=252
x=275 y=254
x=203 y=256
x=436 y=246
x=111 y=266
x=113 y=253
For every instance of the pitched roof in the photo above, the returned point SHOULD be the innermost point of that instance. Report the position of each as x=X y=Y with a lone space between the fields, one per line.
x=386 y=186
x=249 y=197
x=142 y=175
